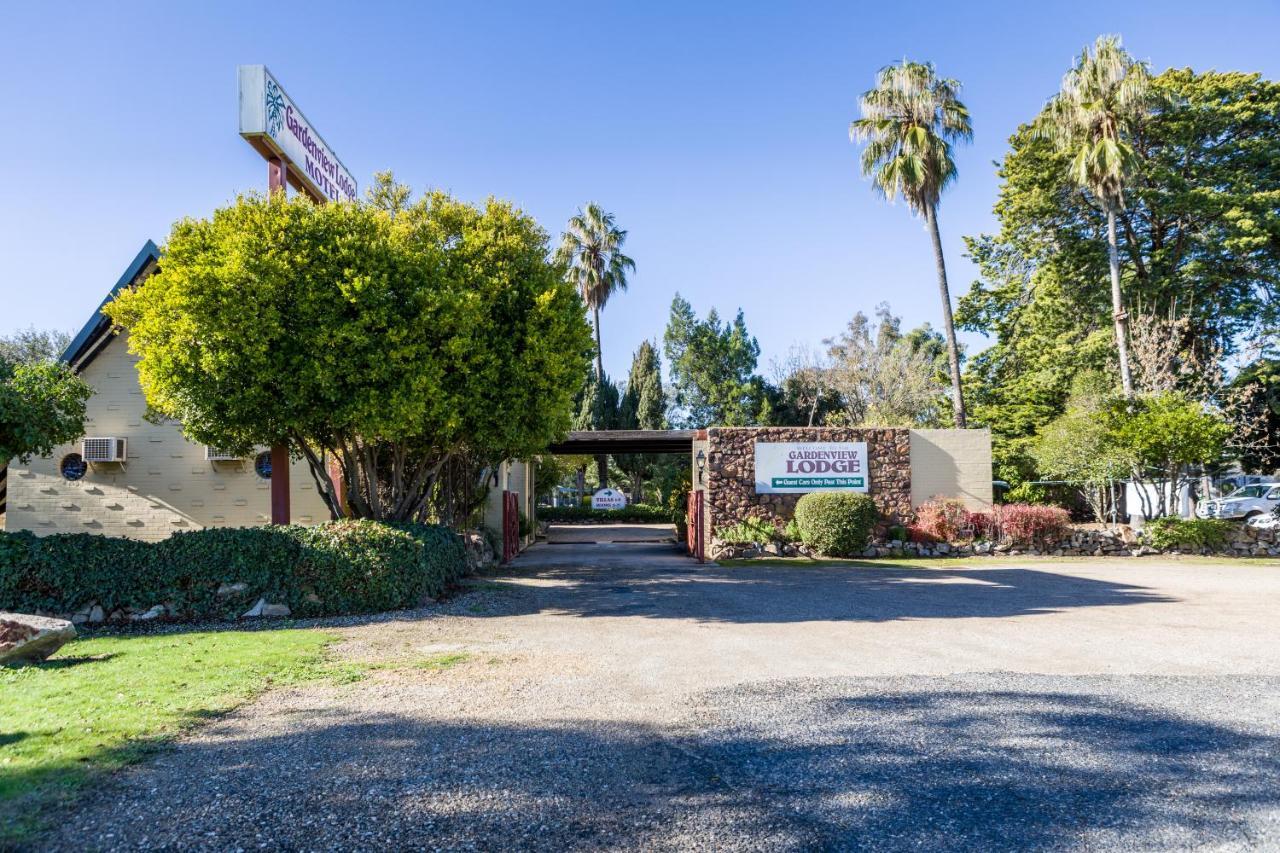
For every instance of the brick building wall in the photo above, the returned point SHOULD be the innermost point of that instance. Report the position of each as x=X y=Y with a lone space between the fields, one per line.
x=164 y=486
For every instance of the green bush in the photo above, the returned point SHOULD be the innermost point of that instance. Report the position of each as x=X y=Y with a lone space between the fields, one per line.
x=751 y=531
x=1187 y=534
x=330 y=569
x=838 y=524
x=633 y=514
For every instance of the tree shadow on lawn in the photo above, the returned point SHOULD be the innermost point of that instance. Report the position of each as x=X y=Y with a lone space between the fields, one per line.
x=834 y=764
x=870 y=592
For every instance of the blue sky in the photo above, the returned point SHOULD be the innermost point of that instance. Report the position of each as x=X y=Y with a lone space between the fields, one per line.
x=716 y=133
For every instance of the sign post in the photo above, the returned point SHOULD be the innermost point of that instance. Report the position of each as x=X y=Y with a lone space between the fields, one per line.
x=296 y=154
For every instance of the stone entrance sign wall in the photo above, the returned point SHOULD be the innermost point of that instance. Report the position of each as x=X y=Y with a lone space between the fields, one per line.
x=730 y=472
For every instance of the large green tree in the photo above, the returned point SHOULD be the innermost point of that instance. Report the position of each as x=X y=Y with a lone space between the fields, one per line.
x=712 y=364
x=32 y=344
x=909 y=122
x=394 y=336
x=1199 y=236
x=643 y=406
x=42 y=405
x=884 y=377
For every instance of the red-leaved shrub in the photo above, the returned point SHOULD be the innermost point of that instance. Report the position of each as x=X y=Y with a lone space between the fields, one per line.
x=915 y=533
x=1031 y=524
x=982 y=524
x=944 y=519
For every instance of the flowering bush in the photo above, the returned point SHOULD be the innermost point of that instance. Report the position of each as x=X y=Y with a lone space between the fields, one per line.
x=1030 y=524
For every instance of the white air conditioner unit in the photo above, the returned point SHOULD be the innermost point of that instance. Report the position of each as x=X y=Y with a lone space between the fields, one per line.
x=103 y=449
x=217 y=454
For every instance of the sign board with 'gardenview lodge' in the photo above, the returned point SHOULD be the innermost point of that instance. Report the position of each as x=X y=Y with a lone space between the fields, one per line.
x=818 y=466
x=272 y=123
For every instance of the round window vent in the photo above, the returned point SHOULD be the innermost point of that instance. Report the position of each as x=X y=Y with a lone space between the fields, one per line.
x=262 y=464
x=73 y=466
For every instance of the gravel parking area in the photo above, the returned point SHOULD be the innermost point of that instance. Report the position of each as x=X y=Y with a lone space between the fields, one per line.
x=618 y=696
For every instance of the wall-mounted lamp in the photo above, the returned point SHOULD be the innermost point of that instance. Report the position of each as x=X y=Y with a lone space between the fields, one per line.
x=701 y=461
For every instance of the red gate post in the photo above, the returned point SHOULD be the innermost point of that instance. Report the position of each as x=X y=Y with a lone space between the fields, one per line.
x=510 y=526
x=277 y=180
x=693 y=527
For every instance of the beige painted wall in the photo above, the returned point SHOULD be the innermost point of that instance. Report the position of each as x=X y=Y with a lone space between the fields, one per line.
x=515 y=476
x=951 y=463
x=165 y=486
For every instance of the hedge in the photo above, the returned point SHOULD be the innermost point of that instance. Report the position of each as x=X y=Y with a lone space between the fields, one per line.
x=1187 y=534
x=837 y=524
x=634 y=514
x=336 y=568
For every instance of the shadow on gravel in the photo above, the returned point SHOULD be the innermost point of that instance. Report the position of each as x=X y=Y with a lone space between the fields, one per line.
x=829 y=765
x=872 y=592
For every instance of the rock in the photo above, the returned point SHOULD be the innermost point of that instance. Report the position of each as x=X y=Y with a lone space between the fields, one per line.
x=254 y=611
x=154 y=613
x=30 y=639
x=96 y=614
x=276 y=610
x=870 y=552
x=229 y=589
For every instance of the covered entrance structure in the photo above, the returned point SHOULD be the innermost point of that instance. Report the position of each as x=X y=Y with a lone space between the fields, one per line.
x=619 y=442
x=611 y=441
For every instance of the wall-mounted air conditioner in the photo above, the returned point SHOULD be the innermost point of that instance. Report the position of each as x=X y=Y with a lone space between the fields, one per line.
x=217 y=454
x=103 y=449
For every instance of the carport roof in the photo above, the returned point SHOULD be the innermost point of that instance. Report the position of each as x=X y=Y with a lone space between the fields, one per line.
x=589 y=442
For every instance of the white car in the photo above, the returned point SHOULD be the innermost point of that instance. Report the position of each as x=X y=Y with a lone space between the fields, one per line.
x=1244 y=503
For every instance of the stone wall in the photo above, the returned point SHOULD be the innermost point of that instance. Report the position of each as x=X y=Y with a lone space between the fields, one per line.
x=731 y=492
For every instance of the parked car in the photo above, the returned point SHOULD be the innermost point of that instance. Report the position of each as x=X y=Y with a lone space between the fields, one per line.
x=1244 y=503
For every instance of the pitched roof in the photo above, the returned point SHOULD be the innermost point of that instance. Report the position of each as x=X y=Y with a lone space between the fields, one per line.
x=83 y=347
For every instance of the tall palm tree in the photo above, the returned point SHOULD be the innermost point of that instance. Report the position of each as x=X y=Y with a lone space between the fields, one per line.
x=1102 y=98
x=909 y=122
x=591 y=251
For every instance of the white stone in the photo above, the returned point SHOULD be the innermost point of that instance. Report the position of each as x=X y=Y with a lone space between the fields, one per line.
x=154 y=613
x=229 y=589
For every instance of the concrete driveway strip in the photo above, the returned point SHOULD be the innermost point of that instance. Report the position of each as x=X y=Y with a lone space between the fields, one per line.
x=620 y=696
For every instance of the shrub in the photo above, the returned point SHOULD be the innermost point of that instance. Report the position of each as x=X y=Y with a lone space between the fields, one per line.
x=838 y=524
x=917 y=534
x=1031 y=524
x=634 y=514
x=897 y=533
x=1187 y=534
x=791 y=532
x=945 y=519
x=330 y=569
x=750 y=531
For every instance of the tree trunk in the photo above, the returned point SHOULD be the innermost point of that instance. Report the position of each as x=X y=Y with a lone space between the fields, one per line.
x=582 y=484
x=948 y=324
x=599 y=352
x=1120 y=316
x=602 y=461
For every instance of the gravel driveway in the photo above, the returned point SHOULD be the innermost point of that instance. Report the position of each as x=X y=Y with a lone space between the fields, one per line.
x=620 y=696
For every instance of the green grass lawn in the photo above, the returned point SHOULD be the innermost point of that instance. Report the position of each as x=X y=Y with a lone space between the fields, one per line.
x=103 y=702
